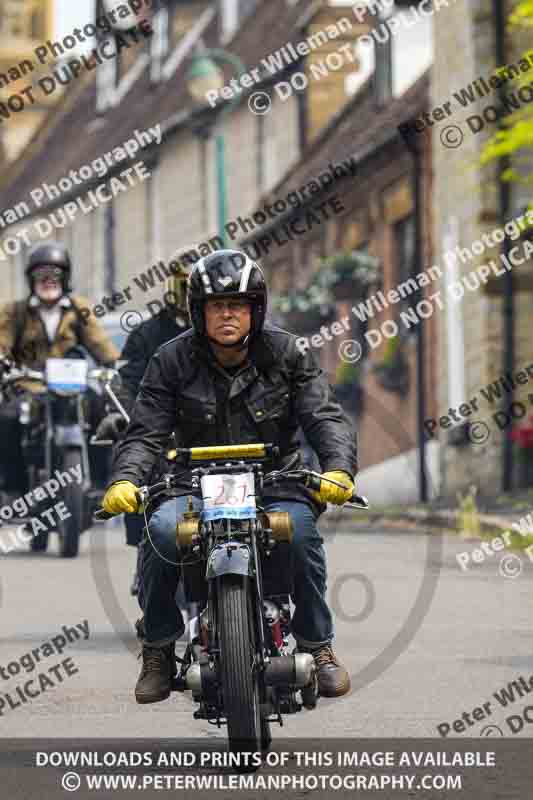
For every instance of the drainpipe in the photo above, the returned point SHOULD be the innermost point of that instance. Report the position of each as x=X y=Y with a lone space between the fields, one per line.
x=498 y=13
x=413 y=144
x=420 y=331
x=154 y=195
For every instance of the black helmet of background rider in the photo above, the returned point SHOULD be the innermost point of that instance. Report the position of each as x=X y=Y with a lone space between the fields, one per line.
x=227 y=273
x=49 y=254
x=180 y=265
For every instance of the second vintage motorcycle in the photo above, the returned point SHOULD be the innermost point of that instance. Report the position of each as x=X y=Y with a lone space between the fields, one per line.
x=55 y=427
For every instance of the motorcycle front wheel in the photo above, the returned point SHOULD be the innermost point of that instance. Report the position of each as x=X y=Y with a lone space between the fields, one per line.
x=70 y=529
x=38 y=542
x=239 y=677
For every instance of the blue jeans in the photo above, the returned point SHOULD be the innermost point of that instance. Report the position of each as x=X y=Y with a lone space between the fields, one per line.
x=311 y=624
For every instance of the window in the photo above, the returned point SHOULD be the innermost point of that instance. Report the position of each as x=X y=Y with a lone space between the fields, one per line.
x=109 y=248
x=246 y=7
x=16 y=18
x=229 y=19
x=106 y=81
x=233 y=14
x=404 y=248
x=37 y=26
x=159 y=43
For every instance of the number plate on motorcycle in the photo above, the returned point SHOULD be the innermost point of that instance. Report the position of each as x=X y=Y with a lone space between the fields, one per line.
x=66 y=374
x=228 y=496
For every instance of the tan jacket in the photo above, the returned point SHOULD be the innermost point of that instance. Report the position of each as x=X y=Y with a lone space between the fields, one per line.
x=34 y=347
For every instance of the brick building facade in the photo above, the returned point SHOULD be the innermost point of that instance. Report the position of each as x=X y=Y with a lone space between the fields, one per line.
x=468 y=205
x=267 y=156
x=378 y=218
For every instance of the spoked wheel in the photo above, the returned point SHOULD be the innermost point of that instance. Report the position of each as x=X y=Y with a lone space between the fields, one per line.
x=38 y=543
x=70 y=528
x=266 y=736
x=239 y=678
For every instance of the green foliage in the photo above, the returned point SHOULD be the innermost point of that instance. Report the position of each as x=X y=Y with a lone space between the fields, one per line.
x=468 y=515
x=355 y=266
x=516 y=135
x=310 y=299
x=391 y=354
x=522 y=14
x=358 y=267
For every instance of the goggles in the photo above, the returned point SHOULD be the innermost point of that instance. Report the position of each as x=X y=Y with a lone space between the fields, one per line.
x=46 y=272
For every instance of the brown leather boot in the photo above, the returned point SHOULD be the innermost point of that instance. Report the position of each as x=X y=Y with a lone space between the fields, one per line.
x=155 y=680
x=333 y=678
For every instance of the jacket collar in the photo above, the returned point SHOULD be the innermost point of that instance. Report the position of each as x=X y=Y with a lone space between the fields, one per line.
x=260 y=352
x=63 y=302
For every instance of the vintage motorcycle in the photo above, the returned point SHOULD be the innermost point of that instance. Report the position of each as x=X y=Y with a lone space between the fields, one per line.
x=236 y=563
x=55 y=427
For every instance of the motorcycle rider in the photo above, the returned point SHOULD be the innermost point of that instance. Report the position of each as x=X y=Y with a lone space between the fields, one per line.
x=233 y=379
x=47 y=324
x=139 y=348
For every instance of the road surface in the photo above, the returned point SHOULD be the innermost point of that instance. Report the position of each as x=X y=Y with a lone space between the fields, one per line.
x=424 y=641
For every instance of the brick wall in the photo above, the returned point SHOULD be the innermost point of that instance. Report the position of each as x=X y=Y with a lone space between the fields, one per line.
x=467 y=196
x=132 y=233
x=374 y=201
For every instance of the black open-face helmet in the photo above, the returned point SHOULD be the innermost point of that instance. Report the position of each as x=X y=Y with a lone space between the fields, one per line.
x=53 y=254
x=227 y=273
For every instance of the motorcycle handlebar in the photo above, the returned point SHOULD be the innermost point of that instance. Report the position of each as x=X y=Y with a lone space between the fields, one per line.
x=5 y=363
x=310 y=479
x=13 y=374
x=22 y=374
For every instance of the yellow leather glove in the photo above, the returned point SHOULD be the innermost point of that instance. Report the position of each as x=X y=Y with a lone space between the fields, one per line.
x=120 y=497
x=329 y=493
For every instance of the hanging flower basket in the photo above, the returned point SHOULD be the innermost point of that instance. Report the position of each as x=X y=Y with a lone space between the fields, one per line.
x=306 y=310
x=348 y=273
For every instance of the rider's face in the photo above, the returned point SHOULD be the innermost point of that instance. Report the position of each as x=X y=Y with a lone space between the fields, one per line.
x=47 y=284
x=227 y=320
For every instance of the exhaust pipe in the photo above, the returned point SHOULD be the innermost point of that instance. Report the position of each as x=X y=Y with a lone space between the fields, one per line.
x=296 y=670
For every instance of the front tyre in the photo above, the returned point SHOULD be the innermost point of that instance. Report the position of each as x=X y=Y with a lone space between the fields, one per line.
x=239 y=677
x=70 y=529
x=39 y=542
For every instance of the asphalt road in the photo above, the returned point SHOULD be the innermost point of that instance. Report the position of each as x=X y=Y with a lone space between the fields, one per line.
x=423 y=640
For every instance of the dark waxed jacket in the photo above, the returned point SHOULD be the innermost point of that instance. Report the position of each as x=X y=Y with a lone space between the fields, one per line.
x=277 y=389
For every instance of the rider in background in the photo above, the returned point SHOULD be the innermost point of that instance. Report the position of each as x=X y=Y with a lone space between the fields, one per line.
x=139 y=348
x=46 y=324
x=231 y=380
